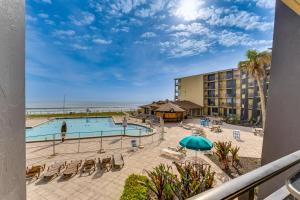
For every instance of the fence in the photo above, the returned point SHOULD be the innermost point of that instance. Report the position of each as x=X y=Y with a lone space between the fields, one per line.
x=81 y=142
x=36 y=111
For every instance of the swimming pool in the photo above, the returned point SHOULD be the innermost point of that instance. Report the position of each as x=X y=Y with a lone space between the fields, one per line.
x=83 y=128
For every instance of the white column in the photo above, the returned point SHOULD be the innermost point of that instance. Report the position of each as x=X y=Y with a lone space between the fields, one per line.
x=12 y=99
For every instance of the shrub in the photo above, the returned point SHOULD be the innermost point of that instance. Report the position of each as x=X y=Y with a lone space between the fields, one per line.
x=193 y=179
x=222 y=151
x=158 y=182
x=235 y=158
x=190 y=180
x=133 y=189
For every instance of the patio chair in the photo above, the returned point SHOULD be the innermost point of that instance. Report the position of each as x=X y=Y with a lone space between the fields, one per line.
x=106 y=164
x=54 y=170
x=236 y=134
x=257 y=131
x=218 y=129
x=118 y=161
x=34 y=171
x=72 y=168
x=134 y=145
x=89 y=166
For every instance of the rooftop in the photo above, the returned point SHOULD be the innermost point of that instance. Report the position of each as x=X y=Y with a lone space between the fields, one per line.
x=207 y=73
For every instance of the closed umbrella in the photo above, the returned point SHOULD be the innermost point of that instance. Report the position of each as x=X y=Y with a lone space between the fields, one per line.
x=197 y=143
x=162 y=124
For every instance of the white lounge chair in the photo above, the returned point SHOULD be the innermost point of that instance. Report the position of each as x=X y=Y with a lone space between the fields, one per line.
x=172 y=153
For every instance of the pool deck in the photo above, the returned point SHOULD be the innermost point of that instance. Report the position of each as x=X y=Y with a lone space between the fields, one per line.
x=32 y=122
x=109 y=185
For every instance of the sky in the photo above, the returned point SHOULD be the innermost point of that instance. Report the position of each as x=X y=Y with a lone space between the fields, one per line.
x=131 y=50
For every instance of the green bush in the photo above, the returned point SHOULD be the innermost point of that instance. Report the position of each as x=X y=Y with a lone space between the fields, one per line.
x=133 y=189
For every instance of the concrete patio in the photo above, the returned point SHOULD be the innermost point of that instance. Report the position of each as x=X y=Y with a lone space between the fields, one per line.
x=109 y=185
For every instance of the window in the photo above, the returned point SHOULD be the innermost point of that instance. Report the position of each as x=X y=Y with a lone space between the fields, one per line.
x=230 y=83
x=215 y=110
x=211 y=85
x=211 y=93
x=232 y=111
x=229 y=75
x=211 y=77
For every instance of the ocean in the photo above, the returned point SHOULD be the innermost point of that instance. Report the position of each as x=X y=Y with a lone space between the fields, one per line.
x=82 y=106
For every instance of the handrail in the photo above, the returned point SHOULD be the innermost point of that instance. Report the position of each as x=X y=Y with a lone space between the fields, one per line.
x=247 y=182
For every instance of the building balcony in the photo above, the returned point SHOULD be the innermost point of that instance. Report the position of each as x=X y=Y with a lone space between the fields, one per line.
x=230 y=95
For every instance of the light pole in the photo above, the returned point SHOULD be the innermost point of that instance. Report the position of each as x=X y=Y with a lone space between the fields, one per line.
x=124 y=124
x=162 y=124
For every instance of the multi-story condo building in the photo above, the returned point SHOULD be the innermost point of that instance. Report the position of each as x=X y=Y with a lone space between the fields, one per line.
x=225 y=93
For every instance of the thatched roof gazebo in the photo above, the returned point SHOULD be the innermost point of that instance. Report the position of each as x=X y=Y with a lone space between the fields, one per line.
x=192 y=109
x=170 y=112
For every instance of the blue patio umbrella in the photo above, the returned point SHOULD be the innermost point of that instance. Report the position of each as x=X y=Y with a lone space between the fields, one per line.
x=197 y=143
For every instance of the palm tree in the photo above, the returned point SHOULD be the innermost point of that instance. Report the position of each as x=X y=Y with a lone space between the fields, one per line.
x=255 y=65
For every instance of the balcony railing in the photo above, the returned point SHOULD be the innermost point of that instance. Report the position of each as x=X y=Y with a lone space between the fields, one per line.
x=231 y=95
x=247 y=182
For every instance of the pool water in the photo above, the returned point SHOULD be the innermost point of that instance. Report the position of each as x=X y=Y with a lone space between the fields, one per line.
x=83 y=127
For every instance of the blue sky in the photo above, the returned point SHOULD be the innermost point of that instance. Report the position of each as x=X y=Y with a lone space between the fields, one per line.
x=131 y=50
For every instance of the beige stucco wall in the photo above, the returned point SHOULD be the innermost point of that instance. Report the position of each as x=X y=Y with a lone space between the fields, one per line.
x=12 y=101
x=191 y=89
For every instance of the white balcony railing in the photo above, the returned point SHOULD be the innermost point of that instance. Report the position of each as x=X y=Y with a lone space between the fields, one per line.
x=247 y=182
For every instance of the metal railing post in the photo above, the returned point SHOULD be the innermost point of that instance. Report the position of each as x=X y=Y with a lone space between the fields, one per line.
x=78 y=142
x=140 y=138
x=251 y=194
x=121 y=140
x=53 y=144
x=101 y=142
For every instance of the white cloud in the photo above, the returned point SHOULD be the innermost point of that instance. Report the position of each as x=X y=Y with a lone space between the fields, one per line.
x=268 y=4
x=43 y=15
x=125 y=6
x=189 y=29
x=46 y=1
x=184 y=47
x=96 y=5
x=63 y=33
x=162 y=27
x=265 y=3
x=189 y=9
x=228 y=39
x=148 y=35
x=49 y=22
x=143 y=12
x=236 y=18
x=153 y=8
x=84 y=18
x=136 y=22
x=119 y=76
x=121 y=29
x=80 y=47
x=30 y=18
x=101 y=41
